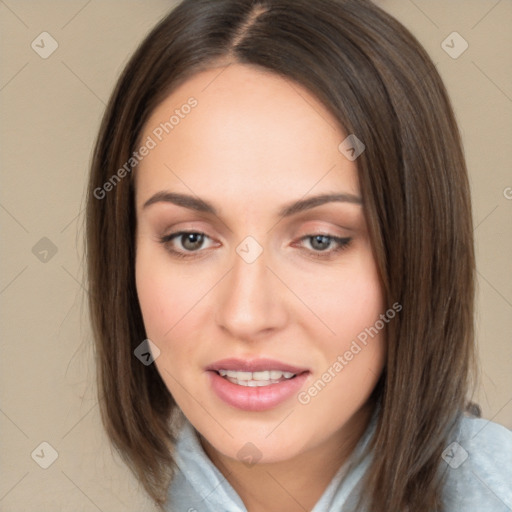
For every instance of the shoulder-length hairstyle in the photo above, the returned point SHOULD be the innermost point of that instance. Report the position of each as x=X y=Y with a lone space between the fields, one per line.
x=380 y=84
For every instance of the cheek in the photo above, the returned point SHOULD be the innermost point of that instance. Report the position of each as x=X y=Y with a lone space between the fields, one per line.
x=347 y=301
x=155 y=301
x=165 y=296
x=172 y=302
x=353 y=352
x=354 y=307
x=164 y=304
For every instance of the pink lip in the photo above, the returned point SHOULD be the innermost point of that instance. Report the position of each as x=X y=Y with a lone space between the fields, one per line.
x=254 y=365
x=258 y=398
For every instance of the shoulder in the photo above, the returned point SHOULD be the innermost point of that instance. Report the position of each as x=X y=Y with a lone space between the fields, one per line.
x=477 y=464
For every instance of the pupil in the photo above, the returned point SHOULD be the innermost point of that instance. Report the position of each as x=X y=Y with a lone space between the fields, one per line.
x=321 y=239
x=195 y=239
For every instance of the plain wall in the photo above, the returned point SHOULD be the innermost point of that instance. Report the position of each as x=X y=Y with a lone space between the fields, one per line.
x=50 y=113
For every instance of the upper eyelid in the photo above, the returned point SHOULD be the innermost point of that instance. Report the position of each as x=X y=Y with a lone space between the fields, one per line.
x=349 y=220
x=334 y=229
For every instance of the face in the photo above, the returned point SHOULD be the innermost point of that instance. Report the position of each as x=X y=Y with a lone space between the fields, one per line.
x=231 y=277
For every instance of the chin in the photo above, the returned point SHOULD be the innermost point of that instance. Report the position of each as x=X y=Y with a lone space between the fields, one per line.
x=252 y=442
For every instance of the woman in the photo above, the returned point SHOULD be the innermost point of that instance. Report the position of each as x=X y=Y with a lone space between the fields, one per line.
x=281 y=267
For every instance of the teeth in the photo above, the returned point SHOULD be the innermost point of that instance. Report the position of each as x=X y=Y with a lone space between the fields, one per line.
x=253 y=383
x=261 y=375
x=255 y=379
x=239 y=375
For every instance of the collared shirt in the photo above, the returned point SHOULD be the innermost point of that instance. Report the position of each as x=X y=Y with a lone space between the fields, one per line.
x=477 y=463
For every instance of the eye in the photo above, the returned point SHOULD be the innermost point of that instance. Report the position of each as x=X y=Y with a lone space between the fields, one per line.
x=190 y=241
x=320 y=244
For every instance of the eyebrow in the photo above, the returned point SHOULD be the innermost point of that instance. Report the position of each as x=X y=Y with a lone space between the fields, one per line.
x=200 y=205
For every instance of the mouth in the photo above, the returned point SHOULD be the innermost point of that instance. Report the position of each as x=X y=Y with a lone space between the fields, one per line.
x=256 y=379
x=255 y=385
x=255 y=372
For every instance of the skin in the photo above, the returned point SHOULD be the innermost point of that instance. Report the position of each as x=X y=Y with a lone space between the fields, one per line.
x=254 y=143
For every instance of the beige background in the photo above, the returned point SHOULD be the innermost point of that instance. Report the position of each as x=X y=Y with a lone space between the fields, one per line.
x=50 y=110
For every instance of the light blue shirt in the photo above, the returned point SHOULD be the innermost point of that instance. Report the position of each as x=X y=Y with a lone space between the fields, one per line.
x=478 y=463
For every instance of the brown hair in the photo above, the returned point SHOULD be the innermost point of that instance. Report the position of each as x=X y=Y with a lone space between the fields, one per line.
x=378 y=81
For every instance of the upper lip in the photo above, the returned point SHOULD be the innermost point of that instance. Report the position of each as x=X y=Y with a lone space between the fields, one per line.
x=254 y=365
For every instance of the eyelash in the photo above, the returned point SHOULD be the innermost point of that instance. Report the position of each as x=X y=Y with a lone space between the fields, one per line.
x=342 y=244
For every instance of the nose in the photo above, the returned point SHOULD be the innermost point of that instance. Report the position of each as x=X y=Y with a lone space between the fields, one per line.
x=251 y=300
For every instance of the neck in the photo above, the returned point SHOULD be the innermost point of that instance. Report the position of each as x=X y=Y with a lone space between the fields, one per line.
x=294 y=485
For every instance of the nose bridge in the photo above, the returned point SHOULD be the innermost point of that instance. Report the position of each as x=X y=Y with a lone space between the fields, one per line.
x=249 y=298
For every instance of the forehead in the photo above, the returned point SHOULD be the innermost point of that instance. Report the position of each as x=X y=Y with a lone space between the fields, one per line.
x=248 y=132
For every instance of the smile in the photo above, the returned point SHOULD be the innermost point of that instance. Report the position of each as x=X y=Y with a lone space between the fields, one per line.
x=256 y=379
x=255 y=384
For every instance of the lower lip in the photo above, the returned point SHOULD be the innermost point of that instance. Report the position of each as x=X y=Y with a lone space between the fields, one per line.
x=258 y=398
